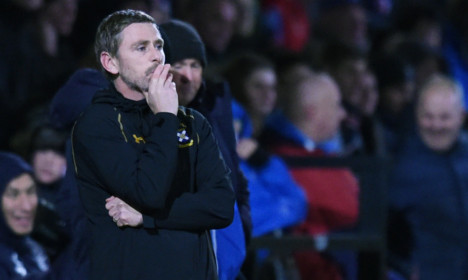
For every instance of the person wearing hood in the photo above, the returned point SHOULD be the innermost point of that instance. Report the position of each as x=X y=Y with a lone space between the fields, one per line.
x=136 y=144
x=20 y=256
x=65 y=108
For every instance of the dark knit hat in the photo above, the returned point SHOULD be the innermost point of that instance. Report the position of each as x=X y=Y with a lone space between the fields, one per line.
x=182 y=42
x=11 y=166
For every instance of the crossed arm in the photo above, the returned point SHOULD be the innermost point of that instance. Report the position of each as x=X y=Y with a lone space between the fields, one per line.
x=210 y=206
x=122 y=213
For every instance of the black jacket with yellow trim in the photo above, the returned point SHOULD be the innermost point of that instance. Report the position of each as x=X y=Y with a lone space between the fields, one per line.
x=167 y=167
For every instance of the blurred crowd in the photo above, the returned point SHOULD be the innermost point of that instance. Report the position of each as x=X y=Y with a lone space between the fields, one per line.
x=309 y=78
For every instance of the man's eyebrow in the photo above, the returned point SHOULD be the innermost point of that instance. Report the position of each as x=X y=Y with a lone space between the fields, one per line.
x=139 y=43
x=159 y=41
x=146 y=42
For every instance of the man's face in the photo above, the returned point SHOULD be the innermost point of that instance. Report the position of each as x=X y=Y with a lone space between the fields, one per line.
x=440 y=118
x=260 y=90
x=217 y=25
x=327 y=109
x=369 y=94
x=348 y=76
x=62 y=15
x=396 y=98
x=187 y=74
x=49 y=166
x=140 y=52
x=19 y=203
x=348 y=24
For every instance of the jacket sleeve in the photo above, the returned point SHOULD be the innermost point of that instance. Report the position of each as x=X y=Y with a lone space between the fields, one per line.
x=103 y=157
x=243 y=201
x=211 y=206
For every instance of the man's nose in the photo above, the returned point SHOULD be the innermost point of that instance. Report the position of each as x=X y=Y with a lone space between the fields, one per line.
x=185 y=73
x=437 y=124
x=27 y=202
x=157 y=55
x=49 y=157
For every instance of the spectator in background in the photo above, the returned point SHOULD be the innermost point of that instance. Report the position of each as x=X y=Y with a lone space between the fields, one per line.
x=311 y=114
x=253 y=81
x=428 y=188
x=47 y=157
x=342 y=21
x=43 y=61
x=20 y=256
x=248 y=34
x=360 y=134
x=277 y=202
x=396 y=86
x=216 y=22
x=186 y=53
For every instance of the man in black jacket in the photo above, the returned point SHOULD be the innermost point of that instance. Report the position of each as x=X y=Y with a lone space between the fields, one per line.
x=135 y=143
x=185 y=52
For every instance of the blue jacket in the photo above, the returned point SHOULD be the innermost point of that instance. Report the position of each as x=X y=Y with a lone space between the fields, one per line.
x=23 y=258
x=277 y=202
x=431 y=191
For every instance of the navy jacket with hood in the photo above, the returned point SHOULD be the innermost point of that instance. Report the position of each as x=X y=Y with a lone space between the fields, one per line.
x=20 y=256
x=170 y=169
x=429 y=192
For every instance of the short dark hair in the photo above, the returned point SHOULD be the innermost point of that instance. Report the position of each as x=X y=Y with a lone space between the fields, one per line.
x=108 y=36
x=46 y=137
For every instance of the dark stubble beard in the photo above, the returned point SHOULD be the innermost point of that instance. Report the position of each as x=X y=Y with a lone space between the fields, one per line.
x=140 y=85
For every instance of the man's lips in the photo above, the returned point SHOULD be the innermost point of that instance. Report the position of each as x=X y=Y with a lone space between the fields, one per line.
x=151 y=70
x=23 y=220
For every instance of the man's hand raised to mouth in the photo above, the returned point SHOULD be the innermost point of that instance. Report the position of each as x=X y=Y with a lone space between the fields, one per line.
x=162 y=94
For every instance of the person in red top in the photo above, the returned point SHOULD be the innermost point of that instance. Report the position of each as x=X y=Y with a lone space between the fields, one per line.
x=310 y=115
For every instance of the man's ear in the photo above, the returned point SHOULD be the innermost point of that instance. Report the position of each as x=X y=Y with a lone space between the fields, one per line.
x=109 y=63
